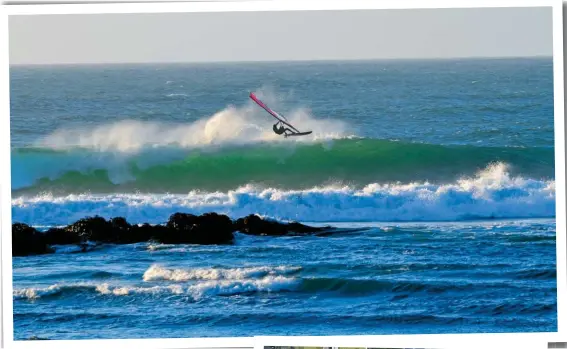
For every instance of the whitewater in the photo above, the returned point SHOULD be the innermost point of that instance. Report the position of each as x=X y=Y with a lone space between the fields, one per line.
x=490 y=194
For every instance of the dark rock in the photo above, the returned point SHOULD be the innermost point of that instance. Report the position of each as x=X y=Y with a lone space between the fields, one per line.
x=181 y=221
x=142 y=233
x=255 y=225
x=92 y=229
x=181 y=228
x=60 y=236
x=28 y=241
x=212 y=228
x=119 y=224
x=177 y=229
x=124 y=233
x=207 y=229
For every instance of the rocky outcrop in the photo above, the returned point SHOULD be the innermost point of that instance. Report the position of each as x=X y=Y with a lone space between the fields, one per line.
x=181 y=228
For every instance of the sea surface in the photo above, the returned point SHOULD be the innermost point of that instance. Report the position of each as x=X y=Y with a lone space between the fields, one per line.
x=448 y=163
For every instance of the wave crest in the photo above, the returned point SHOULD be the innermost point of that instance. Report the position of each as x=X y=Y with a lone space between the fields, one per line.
x=282 y=165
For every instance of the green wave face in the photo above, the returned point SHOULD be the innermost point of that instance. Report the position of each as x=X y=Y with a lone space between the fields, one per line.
x=347 y=161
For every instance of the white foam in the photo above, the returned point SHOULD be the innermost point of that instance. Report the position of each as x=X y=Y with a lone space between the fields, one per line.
x=32 y=293
x=493 y=193
x=156 y=273
x=35 y=293
x=158 y=247
x=229 y=281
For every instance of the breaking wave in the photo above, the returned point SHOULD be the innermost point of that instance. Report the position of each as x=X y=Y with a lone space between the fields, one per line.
x=278 y=165
x=139 y=155
x=491 y=193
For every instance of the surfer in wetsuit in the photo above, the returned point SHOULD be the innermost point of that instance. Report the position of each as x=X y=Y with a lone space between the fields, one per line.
x=279 y=129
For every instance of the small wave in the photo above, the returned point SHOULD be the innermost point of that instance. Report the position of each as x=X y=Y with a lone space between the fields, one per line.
x=196 y=291
x=177 y=95
x=33 y=293
x=155 y=273
x=204 y=283
x=536 y=274
x=399 y=288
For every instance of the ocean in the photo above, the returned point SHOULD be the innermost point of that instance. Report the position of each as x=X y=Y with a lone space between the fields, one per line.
x=449 y=164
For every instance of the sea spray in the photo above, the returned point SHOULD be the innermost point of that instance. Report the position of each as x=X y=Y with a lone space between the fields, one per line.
x=228 y=127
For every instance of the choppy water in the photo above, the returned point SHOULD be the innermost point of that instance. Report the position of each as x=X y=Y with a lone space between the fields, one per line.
x=450 y=162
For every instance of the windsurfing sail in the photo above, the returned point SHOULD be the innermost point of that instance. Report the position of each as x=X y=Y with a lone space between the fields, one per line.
x=268 y=109
x=279 y=117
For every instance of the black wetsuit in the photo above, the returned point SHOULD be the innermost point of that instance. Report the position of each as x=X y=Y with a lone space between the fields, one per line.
x=281 y=129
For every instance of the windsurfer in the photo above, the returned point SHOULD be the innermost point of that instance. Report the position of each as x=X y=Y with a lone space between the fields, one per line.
x=280 y=126
x=280 y=129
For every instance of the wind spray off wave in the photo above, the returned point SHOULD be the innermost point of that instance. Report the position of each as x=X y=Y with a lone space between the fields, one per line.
x=229 y=127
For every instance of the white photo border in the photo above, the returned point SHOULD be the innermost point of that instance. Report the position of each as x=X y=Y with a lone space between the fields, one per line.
x=518 y=340
x=425 y=341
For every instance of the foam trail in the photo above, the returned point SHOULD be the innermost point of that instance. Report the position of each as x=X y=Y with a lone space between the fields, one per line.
x=493 y=193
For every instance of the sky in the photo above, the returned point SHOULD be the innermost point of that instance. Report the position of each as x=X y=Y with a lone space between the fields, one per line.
x=280 y=36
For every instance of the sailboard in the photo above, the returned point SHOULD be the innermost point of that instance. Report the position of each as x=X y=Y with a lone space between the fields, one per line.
x=279 y=117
